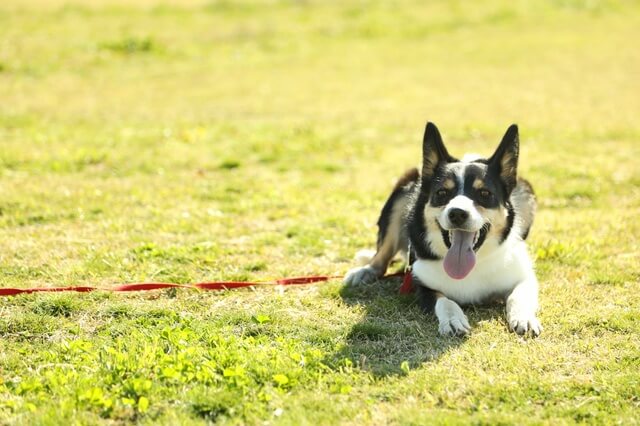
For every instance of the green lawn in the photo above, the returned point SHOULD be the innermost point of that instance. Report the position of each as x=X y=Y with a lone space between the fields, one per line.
x=196 y=140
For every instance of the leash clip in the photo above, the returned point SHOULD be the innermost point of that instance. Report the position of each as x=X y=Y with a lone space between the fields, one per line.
x=408 y=264
x=407 y=285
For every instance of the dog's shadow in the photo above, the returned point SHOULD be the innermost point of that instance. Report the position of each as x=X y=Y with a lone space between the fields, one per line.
x=394 y=335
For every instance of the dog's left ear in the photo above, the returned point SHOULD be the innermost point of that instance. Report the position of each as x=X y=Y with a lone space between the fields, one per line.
x=505 y=160
x=433 y=151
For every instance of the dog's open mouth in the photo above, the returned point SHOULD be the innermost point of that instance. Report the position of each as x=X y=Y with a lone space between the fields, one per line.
x=476 y=237
x=461 y=257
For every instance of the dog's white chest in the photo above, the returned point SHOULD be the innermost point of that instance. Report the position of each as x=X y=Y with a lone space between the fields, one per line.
x=495 y=273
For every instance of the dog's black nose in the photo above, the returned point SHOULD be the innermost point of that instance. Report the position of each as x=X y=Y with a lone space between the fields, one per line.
x=458 y=216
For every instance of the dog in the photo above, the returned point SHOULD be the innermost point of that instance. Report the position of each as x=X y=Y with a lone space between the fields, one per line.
x=462 y=227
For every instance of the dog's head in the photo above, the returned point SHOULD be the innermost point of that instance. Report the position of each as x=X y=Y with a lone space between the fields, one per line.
x=467 y=201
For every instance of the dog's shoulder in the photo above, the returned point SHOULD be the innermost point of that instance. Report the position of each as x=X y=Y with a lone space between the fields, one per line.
x=524 y=204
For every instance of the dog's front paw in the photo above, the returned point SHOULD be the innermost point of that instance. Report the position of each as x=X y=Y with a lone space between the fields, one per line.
x=453 y=322
x=521 y=323
x=361 y=275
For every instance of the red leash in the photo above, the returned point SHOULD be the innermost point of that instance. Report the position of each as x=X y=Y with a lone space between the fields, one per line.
x=215 y=285
x=407 y=283
x=212 y=286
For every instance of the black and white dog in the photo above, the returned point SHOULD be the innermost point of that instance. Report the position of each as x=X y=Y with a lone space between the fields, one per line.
x=462 y=225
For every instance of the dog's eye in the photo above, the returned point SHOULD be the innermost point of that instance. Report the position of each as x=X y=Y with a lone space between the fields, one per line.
x=485 y=193
x=441 y=192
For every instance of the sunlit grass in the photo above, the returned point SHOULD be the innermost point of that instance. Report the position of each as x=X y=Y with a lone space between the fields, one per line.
x=195 y=141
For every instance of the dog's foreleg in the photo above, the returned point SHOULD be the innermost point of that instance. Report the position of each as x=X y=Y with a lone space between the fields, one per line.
x=452 y=320
x=522 y=305
x=378 y=265
x=392 y=237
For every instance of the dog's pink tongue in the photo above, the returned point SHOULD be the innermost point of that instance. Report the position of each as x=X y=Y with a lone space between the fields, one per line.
x=460 y=258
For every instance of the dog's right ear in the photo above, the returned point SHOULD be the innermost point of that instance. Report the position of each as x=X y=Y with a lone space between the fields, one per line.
x=505 y=160
x=433 y=151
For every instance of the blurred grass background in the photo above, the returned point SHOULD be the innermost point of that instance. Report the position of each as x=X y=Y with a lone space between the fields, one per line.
x=196 y=140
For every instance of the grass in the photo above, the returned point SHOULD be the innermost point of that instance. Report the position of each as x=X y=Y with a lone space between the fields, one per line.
x=202 y=140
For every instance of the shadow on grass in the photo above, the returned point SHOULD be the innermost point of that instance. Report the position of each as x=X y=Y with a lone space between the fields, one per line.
x=394 y=334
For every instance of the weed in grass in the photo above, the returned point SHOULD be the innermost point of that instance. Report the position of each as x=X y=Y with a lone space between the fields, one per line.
x=229 y=165
x=130 y=45
x=64 y=305
x=212 y=405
